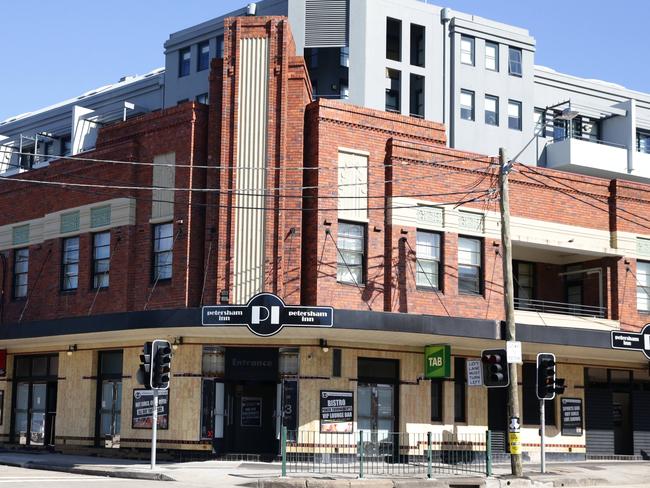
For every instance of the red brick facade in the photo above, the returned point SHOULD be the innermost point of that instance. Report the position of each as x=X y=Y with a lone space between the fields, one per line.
x=407 y=157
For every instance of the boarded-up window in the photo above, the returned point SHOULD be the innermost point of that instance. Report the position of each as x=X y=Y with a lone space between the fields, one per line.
x=163 y=177
x=353 y=186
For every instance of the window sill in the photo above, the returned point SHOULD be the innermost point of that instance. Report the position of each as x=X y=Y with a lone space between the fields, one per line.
x=471 y=294
x=68 y=292
x=349 y=283
x=516 y=75
x=161 y=281
x=100 y=290
x=428 y=288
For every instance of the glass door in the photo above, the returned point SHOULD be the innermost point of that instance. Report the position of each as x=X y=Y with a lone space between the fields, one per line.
x=110 y=408
x=39 y=409
x=375 y=412
x=22 y=411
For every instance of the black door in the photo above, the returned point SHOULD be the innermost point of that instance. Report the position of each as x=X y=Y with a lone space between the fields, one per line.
x=498 y=418
x=253 y=419
x=599 y=423
x=622 y=416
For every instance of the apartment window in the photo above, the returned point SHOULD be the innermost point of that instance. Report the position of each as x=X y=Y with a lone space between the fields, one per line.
x=351 y=256
x=492 y=56
x=70 y=264
x=643 y=286
x=219 y=53
x=416 y=87
x=514 y=115
x=344 y=57
x=427 y=251
x=514 y=61
x=436 y=400
x=417 y=45
x=491 y=110
x=460 y=409
x=539 y=121
x=66 y=145
x=163 y=243
x=311 y=55
x=467 y=105
x=184 y=57
x=470 y=258
x=643 y=142
x=344 y=90
x=393 y=39
x=202 y=98
x=101 y=259
x=203 y=62
x=524 y=274
x=21 y=269
x=393 y=90
x=467 y=50
x=530 y=400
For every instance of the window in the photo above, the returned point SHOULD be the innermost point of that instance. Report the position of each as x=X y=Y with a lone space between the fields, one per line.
x=219 y=53
x=350 y=258
x=524 y=281
x=344 y=57
x=491 y=110
x=643 y=142
x=184 y=57
x=70 y=264
x=643 y=286
x=491 y=56
x=467 y=105
x=514 y=61
x=202 y=98
x=467 y=50
x=393 y=92
x=66 y=145
x=203 y=62
x=417 y=45
x=514 y=115
x=21 y=268
x=163 y=243
x=539 y=121
x=530 y=400
x=337 y=355
x=427 y=251
x=417 y=96
x=311 y=55
x=101 y=259
x=436 y=400
x=460 y=409
x=393 y=39
x=469 y=265
x=344 y=91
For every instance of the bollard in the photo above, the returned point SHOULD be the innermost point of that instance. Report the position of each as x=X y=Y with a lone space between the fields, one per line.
x=429 y=456
x=360 y=449
x=283 y=441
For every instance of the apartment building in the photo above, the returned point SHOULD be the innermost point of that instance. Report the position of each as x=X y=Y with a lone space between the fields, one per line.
x=317 y=203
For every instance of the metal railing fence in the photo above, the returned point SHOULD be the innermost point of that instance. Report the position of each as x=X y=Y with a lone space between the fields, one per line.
x=381 y=453
x=560 y=308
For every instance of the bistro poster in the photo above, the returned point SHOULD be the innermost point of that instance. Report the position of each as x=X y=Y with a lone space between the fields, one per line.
x=142 y=412
x=336 y=411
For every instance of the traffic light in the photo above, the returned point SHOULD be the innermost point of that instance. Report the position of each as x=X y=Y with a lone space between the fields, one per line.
x=161 y=353
x=143 y=376
x=546 y=382
x=495 y=368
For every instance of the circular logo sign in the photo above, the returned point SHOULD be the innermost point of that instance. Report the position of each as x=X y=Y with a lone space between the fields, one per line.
x=265 y=315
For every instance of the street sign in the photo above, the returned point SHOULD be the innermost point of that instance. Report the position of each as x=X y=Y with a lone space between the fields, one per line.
x=513 y=348
x=437 y=361
x=474 y=372
x=266 y=314
x=633 y=341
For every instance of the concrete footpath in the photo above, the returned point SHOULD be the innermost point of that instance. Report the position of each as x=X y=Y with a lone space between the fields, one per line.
x=266 y=475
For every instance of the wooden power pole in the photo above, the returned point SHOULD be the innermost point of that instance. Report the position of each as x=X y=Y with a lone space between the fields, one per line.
x=509 y=302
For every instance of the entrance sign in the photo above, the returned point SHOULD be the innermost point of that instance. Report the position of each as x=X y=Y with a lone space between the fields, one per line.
x=571 y=416
x=336 y=411
x=142 y=411
x=633 y=341
x=474 y=372
x=437 y=361
x=251 y=412
x=266 y=314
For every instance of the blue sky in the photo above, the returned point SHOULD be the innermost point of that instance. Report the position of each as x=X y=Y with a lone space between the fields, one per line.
x=53 y=50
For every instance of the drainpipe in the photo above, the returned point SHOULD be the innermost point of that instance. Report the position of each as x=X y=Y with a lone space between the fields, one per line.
x=445 y=18
x=631 y=141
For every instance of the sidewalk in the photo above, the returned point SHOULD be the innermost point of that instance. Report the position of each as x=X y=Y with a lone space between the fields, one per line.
x=266 y=475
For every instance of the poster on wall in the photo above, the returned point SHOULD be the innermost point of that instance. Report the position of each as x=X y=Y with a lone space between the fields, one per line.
x=142 y=411
x=571 y=416
x=336 y=411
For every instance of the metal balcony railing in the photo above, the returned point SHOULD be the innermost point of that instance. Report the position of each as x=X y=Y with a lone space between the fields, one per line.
x=560 y=308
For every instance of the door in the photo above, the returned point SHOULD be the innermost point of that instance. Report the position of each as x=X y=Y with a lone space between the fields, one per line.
x=38 y=413
x=253 y=419
x=110 y=409
x=21 y=415
x=599 y=427
x=498 y=418
x=31 y=414
x=622 y=417
x=375 y=413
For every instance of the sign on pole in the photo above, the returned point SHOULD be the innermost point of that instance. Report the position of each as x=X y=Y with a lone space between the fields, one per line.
x=633 y=341
x=474 y=372
x=513 y=350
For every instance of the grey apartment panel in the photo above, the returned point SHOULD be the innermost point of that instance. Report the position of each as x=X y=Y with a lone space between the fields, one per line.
x=326 y=23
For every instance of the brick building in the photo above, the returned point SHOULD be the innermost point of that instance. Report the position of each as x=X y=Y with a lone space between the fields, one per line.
x=320 y=203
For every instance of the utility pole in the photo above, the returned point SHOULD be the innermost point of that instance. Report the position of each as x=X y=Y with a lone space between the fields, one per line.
x=509 y=301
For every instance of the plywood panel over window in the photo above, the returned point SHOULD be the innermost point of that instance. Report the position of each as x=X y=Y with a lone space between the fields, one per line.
x=353 y=186
x=164 y=176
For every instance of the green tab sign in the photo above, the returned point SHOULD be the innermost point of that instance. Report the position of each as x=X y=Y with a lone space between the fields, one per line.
x=437 y=361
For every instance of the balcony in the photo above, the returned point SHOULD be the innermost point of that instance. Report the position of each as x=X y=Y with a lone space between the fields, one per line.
x=573 y=309
x=590 y=157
